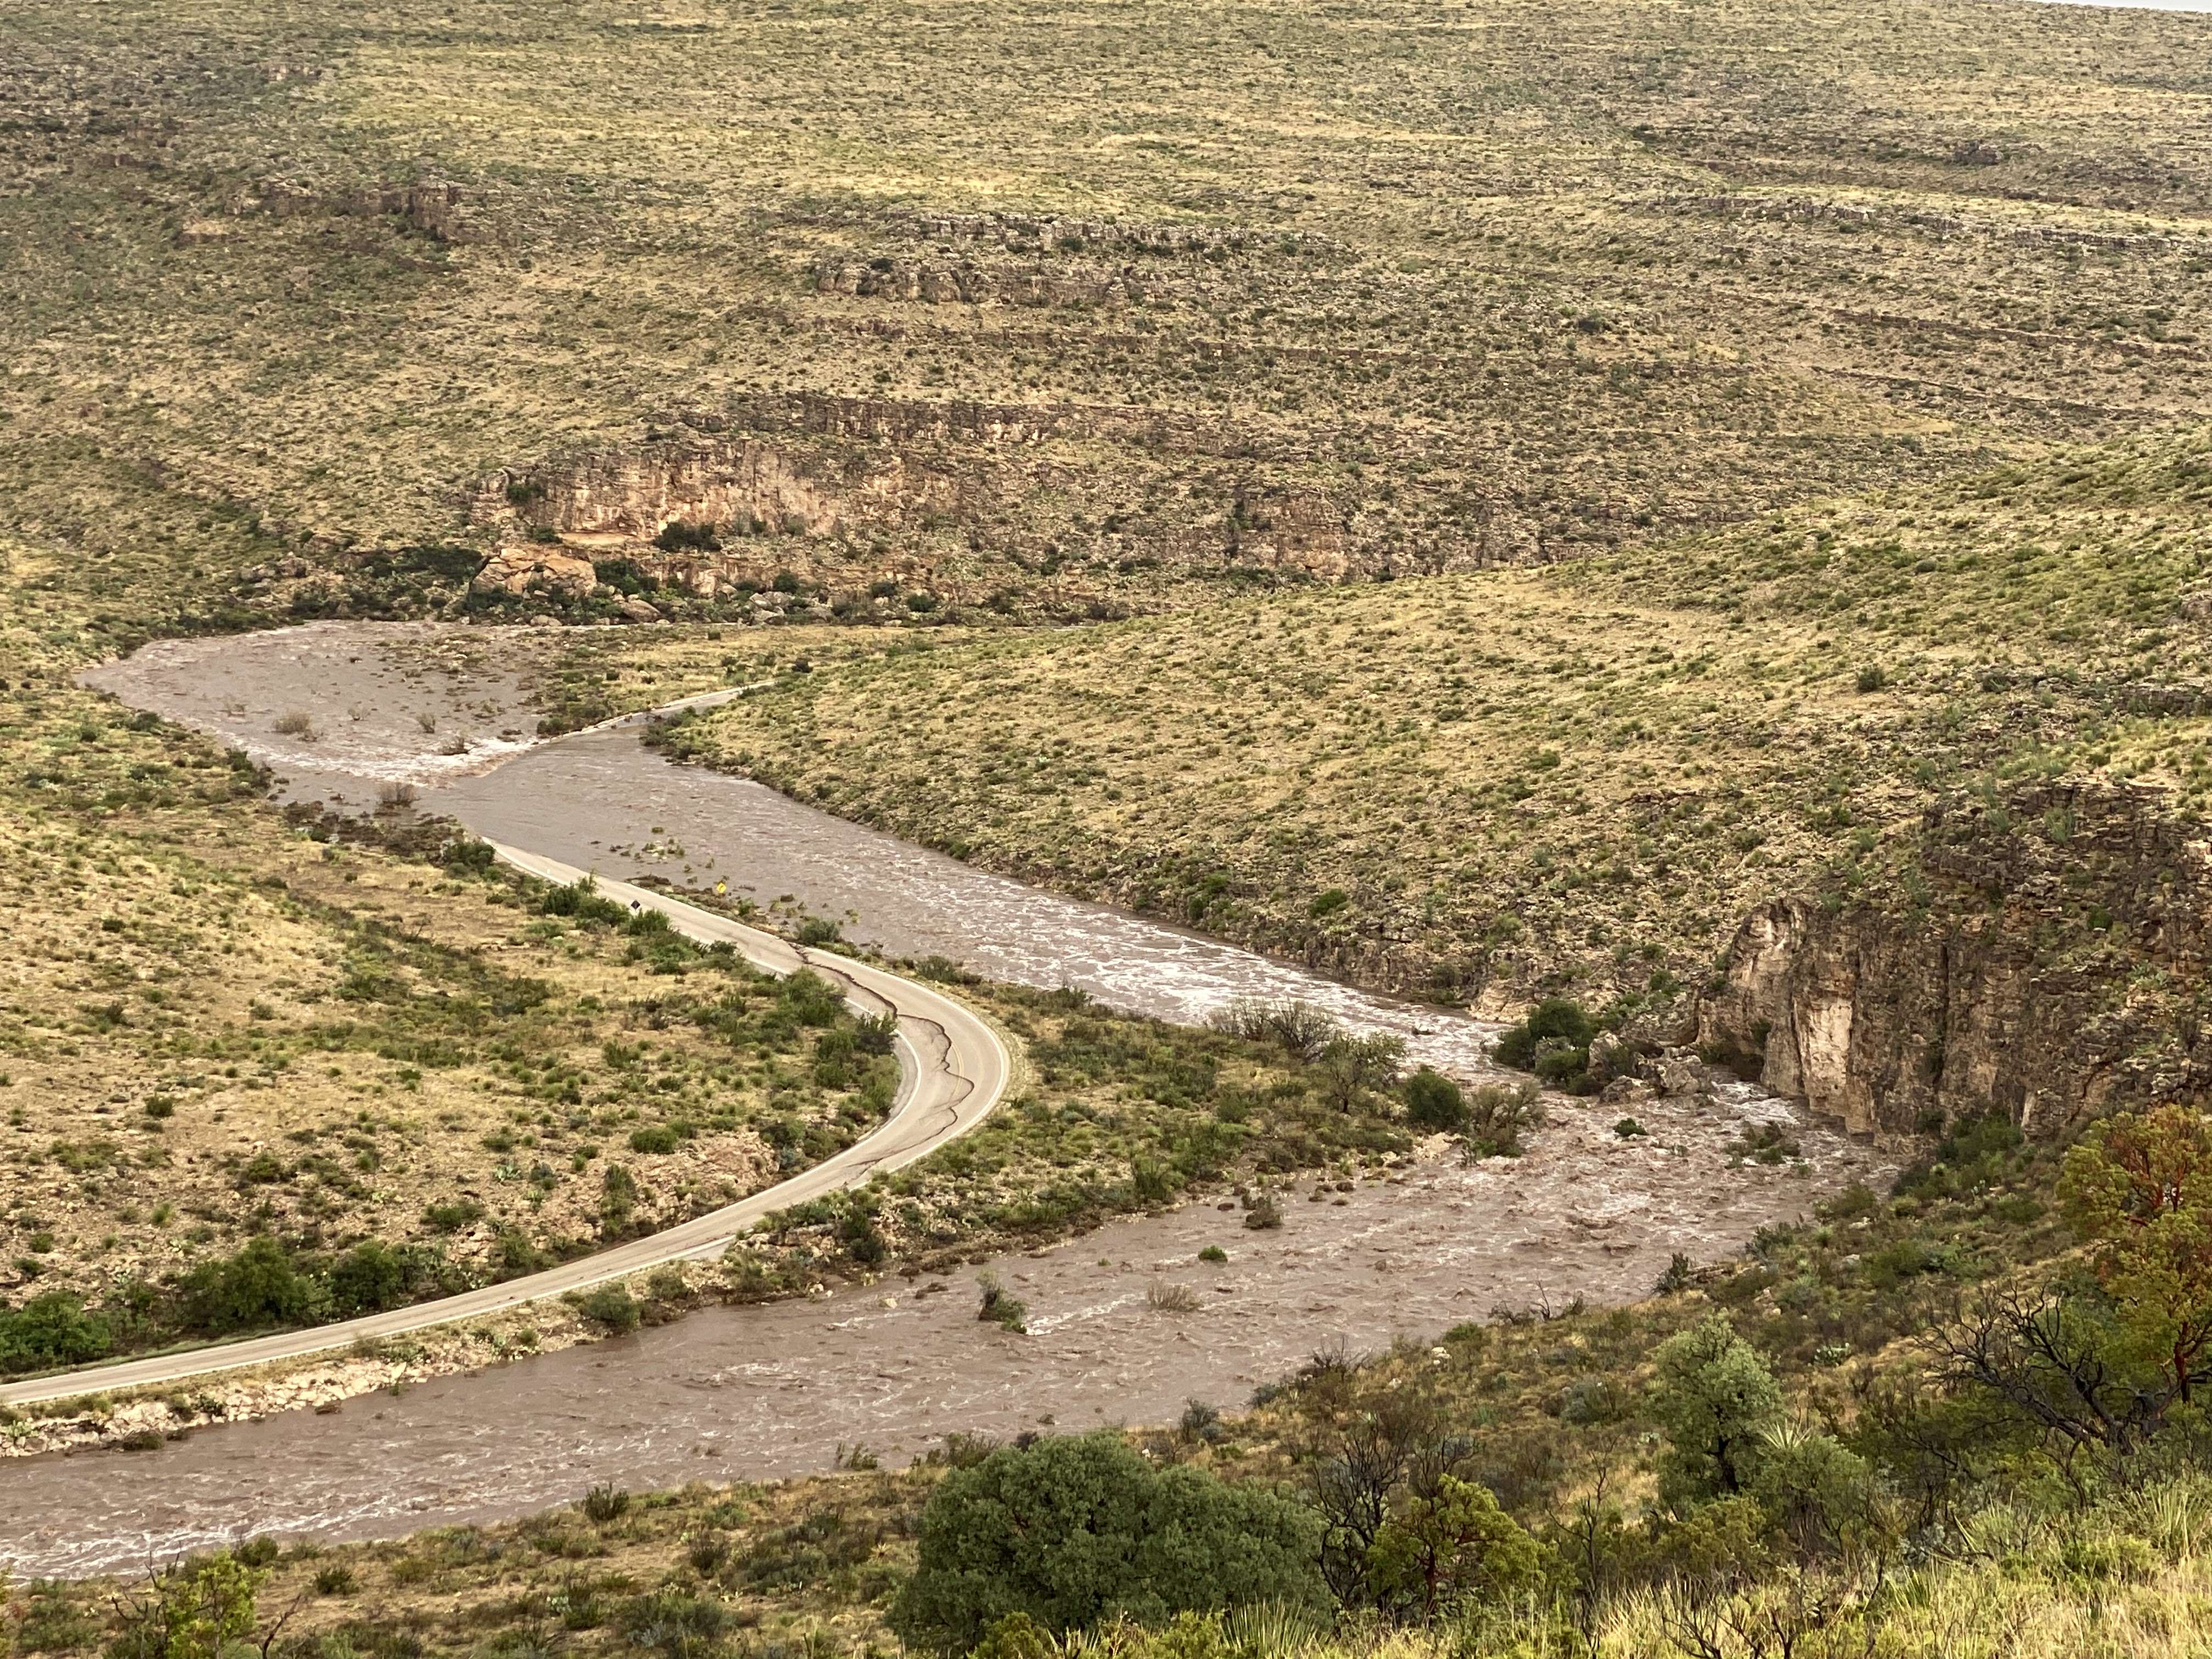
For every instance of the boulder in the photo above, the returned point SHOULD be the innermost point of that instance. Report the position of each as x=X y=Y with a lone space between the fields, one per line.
x=536 y=567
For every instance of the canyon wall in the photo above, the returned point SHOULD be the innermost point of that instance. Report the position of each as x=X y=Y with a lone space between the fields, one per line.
x=2045 y=958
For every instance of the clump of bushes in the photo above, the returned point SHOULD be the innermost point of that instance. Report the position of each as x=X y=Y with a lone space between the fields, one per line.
x=1498 y=1115
x=686 y=536
x=611 y=1307
x=1553 y=1042
x=1000 y=1307
x=1433 y=1101
x=49 y=1332
x=1067 y=1532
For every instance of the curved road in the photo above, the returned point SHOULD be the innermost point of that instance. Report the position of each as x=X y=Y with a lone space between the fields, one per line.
x=953 y=1070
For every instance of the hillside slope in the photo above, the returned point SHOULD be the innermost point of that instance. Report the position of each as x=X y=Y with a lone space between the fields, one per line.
x=1582 y=778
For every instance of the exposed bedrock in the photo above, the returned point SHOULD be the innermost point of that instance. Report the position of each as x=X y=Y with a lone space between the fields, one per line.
x=847 y=489
x=2045 y=958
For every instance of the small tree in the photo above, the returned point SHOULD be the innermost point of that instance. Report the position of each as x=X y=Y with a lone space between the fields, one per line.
x=1716 y=1399
x=1434 y=1101
x=1071 y=1531
x=193 y=1611
x=1352 y=1067
x=1450 y=1548
x=2140 y=1187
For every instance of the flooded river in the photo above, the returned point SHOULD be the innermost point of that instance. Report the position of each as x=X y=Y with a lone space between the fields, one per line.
x=755 y=1392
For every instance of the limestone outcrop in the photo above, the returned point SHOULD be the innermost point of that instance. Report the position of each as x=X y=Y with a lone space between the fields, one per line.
x=2055 y=968
x=526 y=567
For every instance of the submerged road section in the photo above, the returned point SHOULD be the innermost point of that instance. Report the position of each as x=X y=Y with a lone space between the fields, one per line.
x=953 y=1070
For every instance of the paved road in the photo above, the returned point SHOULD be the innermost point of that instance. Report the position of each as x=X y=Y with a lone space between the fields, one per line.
x=953 y=1070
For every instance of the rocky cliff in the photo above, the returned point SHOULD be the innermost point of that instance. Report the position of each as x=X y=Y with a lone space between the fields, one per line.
x=2045 y=957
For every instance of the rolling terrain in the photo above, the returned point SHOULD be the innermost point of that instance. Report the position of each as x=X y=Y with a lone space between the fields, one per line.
x=1682 y=525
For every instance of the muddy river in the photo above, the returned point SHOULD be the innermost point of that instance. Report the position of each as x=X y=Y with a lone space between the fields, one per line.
x=756 y=1392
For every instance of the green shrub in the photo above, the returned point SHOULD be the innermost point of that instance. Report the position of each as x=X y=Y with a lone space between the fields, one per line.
x=199 y=1609
x=451 y=1217
x=1496 y=1115
x=1716 y=1401
x=612 y=1306
x=654 y=1138
x=260 y=1287
x=999 y=1307
x=1072 y=1531
x=1434 y=1101
x=50 y=1331
x=368 y=1278
x=683 y=535
x=1553 y=1042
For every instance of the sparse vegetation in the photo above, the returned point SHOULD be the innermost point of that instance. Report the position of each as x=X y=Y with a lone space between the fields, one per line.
x=1791 y=485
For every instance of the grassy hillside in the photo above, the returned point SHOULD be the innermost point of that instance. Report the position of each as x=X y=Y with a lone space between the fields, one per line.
x=1581 y=776
x=1396 y=292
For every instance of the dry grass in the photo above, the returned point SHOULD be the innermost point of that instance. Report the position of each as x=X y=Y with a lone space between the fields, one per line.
x=1581 y=776
x=1414 y=290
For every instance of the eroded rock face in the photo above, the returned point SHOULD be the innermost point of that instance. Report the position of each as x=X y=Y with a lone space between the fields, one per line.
x=2058 y=971
x=965 y=497
x=523 y=568
x=634 y=493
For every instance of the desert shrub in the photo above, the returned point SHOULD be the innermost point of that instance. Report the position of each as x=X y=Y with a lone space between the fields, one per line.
x=260 y=1286
x=654 y=1138
x=49 y=1619
x=999 y=1306
x=583 y=901
x=612 y=1306
x=617 y=1201
x=1071 y=1531
x=368 y=1278
x=1299 y=1029
x=811 y=999
x=683 y=535
x=198 y=1610
x=1351 y=1068
x=1818 y=1492
x=1978 y=1151
x=451 y=1218
x=1497 y=1116
x=1553 y=1041
x=1763 y=1143
x=1434 y=1101
x=605 y=1505
x=50 y=1331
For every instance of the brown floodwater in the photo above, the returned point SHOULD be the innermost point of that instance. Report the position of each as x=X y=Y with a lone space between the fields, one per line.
x=750 y=1392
